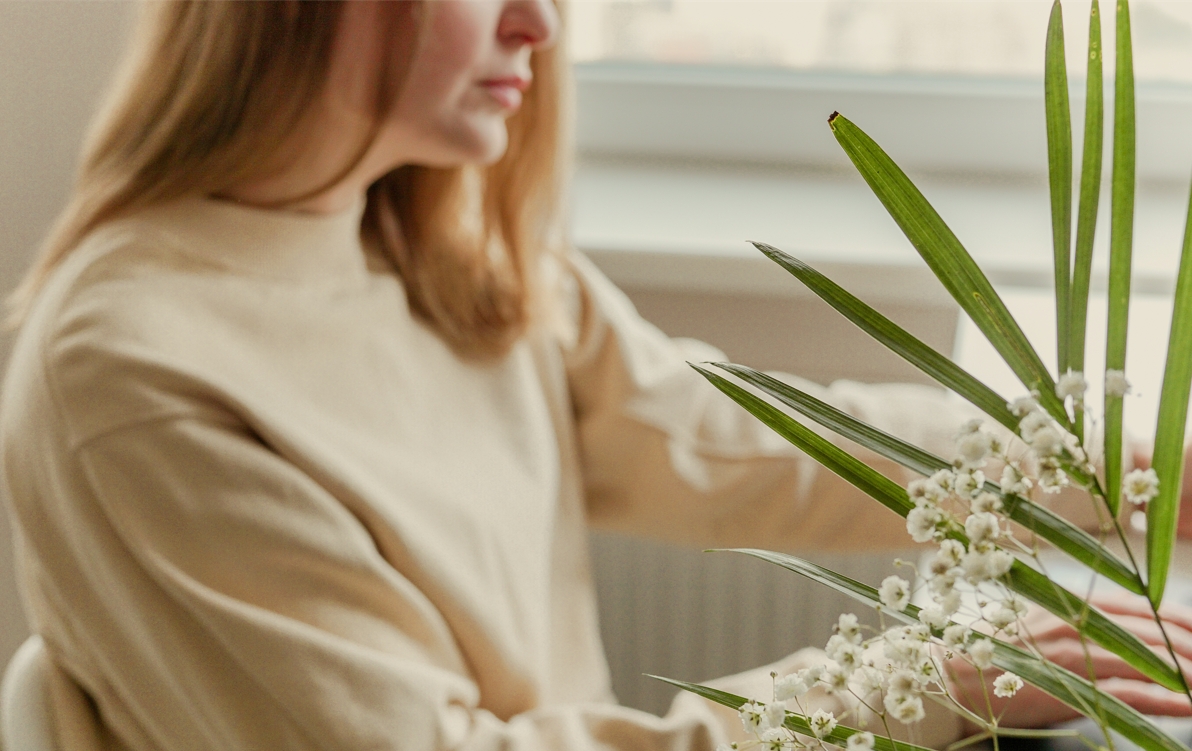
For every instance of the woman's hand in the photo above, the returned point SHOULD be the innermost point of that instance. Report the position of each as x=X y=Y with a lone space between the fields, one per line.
x=1057 y=641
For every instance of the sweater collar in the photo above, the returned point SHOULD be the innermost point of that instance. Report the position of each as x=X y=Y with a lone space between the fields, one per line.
x=269 y=243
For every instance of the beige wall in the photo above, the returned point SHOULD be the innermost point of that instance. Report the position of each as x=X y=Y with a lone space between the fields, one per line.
x=55 y=58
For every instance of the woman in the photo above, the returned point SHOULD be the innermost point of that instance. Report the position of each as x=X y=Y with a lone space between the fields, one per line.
x=310 y=407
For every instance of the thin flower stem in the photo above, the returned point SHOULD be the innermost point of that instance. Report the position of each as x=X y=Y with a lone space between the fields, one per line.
x=1155 y=612
x=966 y=742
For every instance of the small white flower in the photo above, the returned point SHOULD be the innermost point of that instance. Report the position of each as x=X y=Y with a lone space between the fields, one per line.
x=1002 y=617
x=945 y=479
x=905 y=709
x=751 y=714
x=1000 y=562
x=972 y=426
x=918 y=491
x=1045 y=441
x=867 y=680
x=949 y=602
x=837 y=679
x=1014 y=481
x=922 y=522
x=928 y=672
x=1140 y=486
x=790 y=687
x=1052 y=479
x=933 y=616
x=777 y=739
x=835 y=642
x=985 y=562
x=903 y=683
x=956 y=635
x=987 y=502
x=974 y=449
x=981 y=651
x=846 y=654
x=773 y=716
x=1116 y=383
x=1006 y=685
x=848 y=627
x=968 y=484
x=982 y=527
x=1023 y=406
x=895 y=592
x=862 y=741
x=905 y=651
x=822 y=723
x=1071 y=384
x=1032 y=423
x=948 y=557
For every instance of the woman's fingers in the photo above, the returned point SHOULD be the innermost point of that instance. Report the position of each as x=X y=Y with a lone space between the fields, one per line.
x=1147 y=698
x=1123 y=603
x=1069 y=654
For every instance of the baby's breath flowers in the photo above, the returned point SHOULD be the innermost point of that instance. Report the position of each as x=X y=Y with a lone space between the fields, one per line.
x=1006 y=685
x=822 y=723
x=1116 y=383
x=1140 y=486
x=895 y=592
x=1071 y=385
x=897 y=671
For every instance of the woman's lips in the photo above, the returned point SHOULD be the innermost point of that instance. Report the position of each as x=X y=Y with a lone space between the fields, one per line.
x=506 y=91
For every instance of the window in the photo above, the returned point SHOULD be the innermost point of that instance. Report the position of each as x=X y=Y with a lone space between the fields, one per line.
x=988 y=38
x=703 y=124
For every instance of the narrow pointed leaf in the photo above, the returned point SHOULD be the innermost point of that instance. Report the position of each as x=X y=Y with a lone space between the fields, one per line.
x=1121 y=241
x=896 y=339
x=1163 y=512
x=948 y=259
x=1068 y=687
x=794 y=721
x=1059 y=164
x=1101 y=630
x=890 y=494
x=1082 y=546
x=1090 y=198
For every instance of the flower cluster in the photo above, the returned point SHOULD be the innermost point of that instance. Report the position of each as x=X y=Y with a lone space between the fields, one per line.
x=1051 y=445
x=897 y=669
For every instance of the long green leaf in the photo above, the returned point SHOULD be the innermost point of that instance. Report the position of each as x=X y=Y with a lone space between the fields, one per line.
x=895 y=338
x=1064 y=685
x=1082 y=546
x=1059 y=170
x=794 y=721
x=885 y=491
x=948 y=259
x=1090 y=198
x=1121 y=241
x=1163 y=512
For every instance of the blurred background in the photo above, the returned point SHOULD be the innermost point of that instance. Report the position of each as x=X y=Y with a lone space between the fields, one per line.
x=700 y=126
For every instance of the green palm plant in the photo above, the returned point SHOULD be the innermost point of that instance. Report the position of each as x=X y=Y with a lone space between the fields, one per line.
x=1062 y=409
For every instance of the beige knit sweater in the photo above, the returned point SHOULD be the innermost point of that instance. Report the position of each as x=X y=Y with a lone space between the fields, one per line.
x=259 y=506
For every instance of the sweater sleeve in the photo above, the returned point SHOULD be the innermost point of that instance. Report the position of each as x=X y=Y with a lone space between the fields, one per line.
x=245 y=607
x=661 y=444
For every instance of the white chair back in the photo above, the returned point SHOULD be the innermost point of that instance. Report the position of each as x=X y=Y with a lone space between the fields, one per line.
x=25 y=720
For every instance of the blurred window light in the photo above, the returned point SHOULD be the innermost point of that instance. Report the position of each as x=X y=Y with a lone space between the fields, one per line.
x=984 y=38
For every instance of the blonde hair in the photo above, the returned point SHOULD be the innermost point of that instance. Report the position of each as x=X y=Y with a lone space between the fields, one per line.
x=207 y=88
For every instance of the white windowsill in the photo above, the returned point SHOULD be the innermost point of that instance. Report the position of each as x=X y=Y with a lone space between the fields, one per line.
x=687 y=226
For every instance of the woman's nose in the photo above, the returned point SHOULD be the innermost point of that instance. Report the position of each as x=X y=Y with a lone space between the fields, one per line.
x=529 y=22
